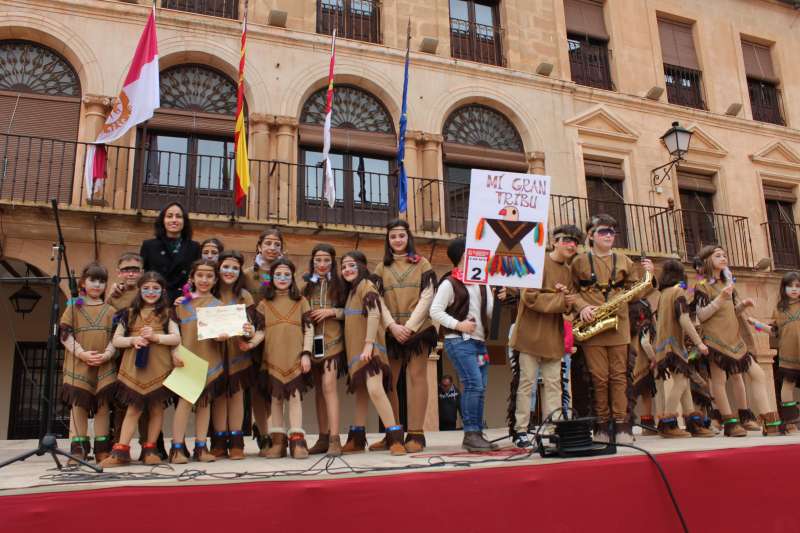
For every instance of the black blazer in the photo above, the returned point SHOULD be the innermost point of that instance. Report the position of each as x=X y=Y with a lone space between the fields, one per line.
x=174 y=267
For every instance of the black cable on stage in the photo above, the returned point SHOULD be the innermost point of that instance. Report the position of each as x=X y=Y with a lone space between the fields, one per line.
x=666 y=483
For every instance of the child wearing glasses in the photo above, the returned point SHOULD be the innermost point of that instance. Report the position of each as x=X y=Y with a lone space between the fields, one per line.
x=600 y=274
x=538 y=339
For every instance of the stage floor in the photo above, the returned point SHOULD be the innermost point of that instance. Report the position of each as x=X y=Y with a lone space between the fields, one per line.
x=443 y=454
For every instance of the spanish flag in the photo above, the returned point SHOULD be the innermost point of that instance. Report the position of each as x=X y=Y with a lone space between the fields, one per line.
x=240 y=133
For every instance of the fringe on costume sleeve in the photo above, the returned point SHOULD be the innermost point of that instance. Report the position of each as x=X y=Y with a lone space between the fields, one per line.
x=377 y=281
x=680 y=307
x=372 y=300
x=428 y=279
x=257 y=318
x=65 y=331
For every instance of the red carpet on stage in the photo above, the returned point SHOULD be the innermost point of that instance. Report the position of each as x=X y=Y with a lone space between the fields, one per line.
x=746 y=489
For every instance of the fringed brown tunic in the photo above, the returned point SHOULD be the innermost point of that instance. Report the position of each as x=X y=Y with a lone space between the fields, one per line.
x=210 y=349
x=671 y=353
x=642 y=378
x=362 y=324
x=90 y=326
x=331 y=329
x=721 y=331
x=405 y=282
x=239 y=369
x=788 y=326
x=124 y=300
x=288 y=335
x=144 y=386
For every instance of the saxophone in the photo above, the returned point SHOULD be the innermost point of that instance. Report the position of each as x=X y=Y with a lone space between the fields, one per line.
x=606 y=315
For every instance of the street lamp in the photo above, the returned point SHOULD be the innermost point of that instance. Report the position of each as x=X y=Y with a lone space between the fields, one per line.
x=24 y=300
x=677 y=140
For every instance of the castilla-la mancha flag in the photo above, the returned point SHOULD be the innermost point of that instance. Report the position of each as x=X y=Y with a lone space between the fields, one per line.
x=136 y=103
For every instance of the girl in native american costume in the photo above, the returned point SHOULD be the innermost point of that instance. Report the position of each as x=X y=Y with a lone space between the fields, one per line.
x=227 y=410
x=210 y=249
x=324 y=291
x=197 y=294
x=720 y=310
x=270 y=246
x=785 y=324
x=408 y=285
x=641 y=358
x=90 y=376
x=369 y=373
x=282 y=323
x=145 y=333
x=672 y=356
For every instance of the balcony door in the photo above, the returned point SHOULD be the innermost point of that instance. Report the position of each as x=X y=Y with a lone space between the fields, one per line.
x=699 y=223
x=605 y=196
x=783 y=234
x=475 y=31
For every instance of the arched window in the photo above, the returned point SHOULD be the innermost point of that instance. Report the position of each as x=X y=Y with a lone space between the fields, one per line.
x=40 y=104
x=362 y=154
x=476 y=136
x=189 y=141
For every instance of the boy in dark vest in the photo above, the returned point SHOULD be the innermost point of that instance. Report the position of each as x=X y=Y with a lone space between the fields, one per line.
x=463 y=313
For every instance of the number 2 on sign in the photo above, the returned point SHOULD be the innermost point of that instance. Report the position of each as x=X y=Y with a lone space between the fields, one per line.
x=476 y=266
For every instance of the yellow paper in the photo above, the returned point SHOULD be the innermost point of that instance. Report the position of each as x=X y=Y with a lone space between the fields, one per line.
x=189 y=380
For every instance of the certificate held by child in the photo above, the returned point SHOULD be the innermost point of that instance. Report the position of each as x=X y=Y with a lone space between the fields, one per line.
x=221 y=320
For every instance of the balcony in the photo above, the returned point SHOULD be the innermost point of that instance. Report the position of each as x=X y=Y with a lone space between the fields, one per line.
x=784 y=240
x=476 y=42
x=139 y=180
x=588 y=62
x=765 y=101
x=353 y=19
x=228 y=9
x=683 y=86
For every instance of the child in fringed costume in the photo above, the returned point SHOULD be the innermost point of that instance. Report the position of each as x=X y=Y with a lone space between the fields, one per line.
x=785 y=324
x=369 y=373
x=227 y=410
x=723 y=329
x=324 y=291
x=282 y=323
x=202 y=278
x=641 y=359
x=90 y=375
x=146 y=334
x=672 y=357
x=270 y=246
x=408 y=285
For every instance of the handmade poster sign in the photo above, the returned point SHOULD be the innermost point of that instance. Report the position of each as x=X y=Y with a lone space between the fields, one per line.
x=214 y=321
x=506 y=228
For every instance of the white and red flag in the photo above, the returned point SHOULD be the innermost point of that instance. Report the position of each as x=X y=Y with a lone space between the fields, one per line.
x=330 y=182
x=135 y=104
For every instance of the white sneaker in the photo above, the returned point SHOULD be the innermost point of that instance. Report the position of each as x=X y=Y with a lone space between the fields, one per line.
x=522 y=441
x=600 y=436
x=623 y=437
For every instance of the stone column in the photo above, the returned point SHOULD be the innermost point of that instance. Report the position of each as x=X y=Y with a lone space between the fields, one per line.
x=260 y=196
x=535 y=162
x=432 y=410
x=432 y=210
x=416 y=182
x=286 y=173
x=95 y=109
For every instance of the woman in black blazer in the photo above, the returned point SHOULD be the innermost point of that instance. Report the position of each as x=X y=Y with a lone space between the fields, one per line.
x=173 y=251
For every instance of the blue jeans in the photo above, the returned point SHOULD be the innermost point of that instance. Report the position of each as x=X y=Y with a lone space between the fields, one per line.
x=464 y=356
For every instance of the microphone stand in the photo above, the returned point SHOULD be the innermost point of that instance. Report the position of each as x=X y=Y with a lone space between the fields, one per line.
x=47 y=441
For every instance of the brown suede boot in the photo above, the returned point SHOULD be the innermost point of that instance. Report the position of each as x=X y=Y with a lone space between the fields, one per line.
x=236 y=446
x=219 y=444
x=102 y=448
x=394 y=440
x=695 y=426
x=201 y=452
x=177 y=455
x=669 y=428
x=278 y=448
x=379 y=446
x=120 y=456
x=356 y=440
x=415 y=441
x=650 y=422
x=334 y=446
x=772 y=424
x=297 y=445
x=732 y=426
x=321 y=446
x=77 y=449
x=150 y=455
x=748 y=420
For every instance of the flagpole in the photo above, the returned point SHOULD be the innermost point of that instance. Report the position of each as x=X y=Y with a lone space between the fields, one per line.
x=402 y=176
